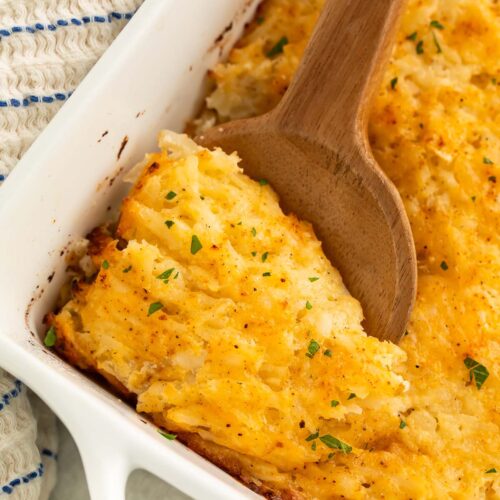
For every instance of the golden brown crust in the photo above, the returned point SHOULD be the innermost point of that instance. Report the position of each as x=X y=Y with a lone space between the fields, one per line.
x=226 y=460
x=98 y=238
x=64 y=346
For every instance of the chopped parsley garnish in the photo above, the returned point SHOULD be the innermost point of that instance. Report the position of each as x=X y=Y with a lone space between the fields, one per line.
x=254 y=231
x=312 y=437
x=263 y=182
x=266 y=274
x=313 y=446
x=334 y=403
x=105 y=264
x=477 y=371
x=260 y=20
x=166 y=274
x=394 y=82
x=312 y=348
x=444 y=265
x=491 y=471
x=176 y=275
x=412 y=36
x=487 y=161
x=333 y=442
x=127 y=269
x=155 y=306
x=50 y=337
x=492 y=178
x=264 y=256
x=402 y=424
x=169 y=223
x=420 y=47
x=351 y=396
x=328 y=353
x=436 y=24
x=254 y=253
x=330 y=455
x=171 y=195
x=168 y=436
x=436 y=43
x=313 y=279
x=308 y=306
x=196 y=245
x=278 y=48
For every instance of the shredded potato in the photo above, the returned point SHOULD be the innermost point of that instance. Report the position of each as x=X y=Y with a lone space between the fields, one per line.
x=265 y=369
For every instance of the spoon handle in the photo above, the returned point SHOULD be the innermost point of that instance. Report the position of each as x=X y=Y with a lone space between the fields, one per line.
x=340 y=71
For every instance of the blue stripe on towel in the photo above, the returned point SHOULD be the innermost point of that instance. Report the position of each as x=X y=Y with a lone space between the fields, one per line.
x=48 y=453
x=61 y=23
x=33 y=99
x=8 y=489
x=6 y=399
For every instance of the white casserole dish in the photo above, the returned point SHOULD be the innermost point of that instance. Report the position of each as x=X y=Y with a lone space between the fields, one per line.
x=151 y=78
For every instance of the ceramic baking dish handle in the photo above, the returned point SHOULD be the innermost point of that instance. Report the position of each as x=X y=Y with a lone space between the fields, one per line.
x=105 y=460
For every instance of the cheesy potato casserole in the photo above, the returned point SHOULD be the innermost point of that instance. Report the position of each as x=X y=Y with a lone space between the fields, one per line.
x=222 y=319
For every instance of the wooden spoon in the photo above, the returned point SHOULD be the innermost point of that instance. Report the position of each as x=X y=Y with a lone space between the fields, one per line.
x=313 y=149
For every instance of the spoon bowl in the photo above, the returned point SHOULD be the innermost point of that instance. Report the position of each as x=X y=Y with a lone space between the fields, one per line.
x=313 y=150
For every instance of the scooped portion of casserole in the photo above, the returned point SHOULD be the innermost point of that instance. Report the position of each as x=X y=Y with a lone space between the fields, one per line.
x=225 y=319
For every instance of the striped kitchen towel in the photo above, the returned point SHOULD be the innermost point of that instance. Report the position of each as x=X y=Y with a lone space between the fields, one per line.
x=46 y=48
x=27 y=451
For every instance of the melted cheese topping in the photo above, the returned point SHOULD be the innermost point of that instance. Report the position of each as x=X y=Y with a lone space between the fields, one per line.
x=226 y=355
